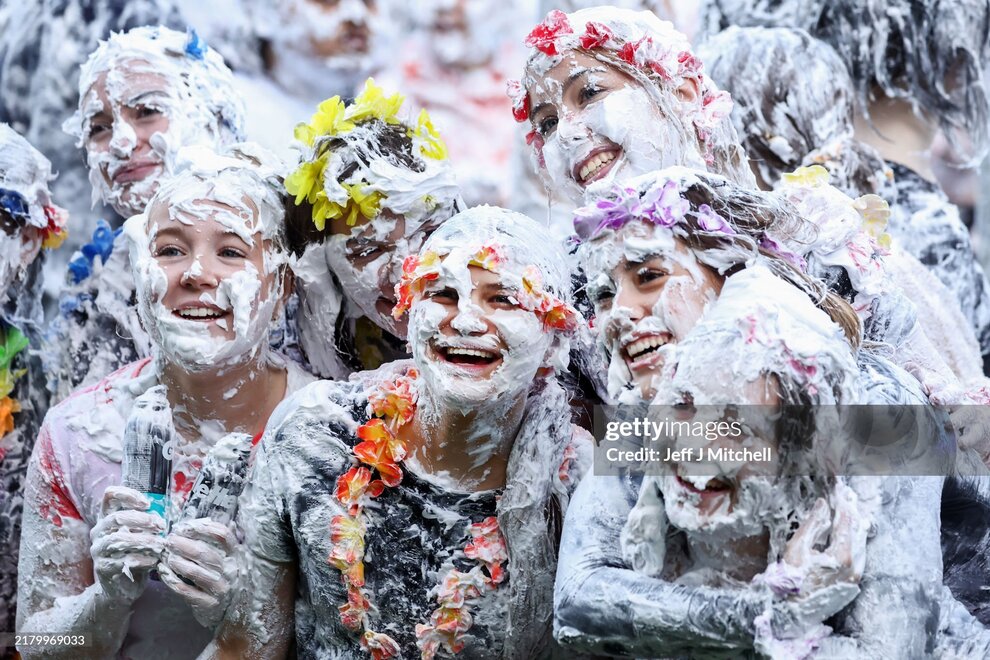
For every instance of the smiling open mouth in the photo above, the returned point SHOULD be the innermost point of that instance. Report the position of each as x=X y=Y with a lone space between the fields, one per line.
x=713 y=485
x=474 y=357
x=641 y=348
x=596 y=166
x=200 y=313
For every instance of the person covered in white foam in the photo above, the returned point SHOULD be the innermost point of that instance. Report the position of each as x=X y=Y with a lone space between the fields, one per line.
x=918 y=67
x=29 y=221
x=724 y=558
x=471 y=445
x=143 y=94
x=210 y=266
x=370 y=186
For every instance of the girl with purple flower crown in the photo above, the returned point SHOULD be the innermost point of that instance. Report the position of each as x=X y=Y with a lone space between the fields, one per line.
x=696 y=304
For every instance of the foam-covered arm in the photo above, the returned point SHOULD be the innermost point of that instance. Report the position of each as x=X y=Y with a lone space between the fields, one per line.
x=601 y=606
x=57 y=593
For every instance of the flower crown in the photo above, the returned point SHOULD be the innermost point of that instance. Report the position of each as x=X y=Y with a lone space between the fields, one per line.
x=53 y=233
x=662 y=206
x=672 y=61
x=417 y=270
x=335 y=118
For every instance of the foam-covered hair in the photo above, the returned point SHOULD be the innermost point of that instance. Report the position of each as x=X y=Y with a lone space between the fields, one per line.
x=197 y=74
x=362 y=158
x=241 y=176
x=930 y=52
x=25 y=173
x=522 y=239
x=793 y=104
x=652 y=52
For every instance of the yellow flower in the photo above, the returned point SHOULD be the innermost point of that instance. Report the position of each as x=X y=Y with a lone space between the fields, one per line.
x=875 y=212
x=811 y=176
x=8 y=407
x=372 y=103
x=306 y=182
x=55 y=239
x=7 y=379
x=432 y=146
x=330 y=119
x=324 y=209
x=364 y=204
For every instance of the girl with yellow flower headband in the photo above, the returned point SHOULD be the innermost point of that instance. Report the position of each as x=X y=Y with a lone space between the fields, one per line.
x=371 y=186
x=30 y=222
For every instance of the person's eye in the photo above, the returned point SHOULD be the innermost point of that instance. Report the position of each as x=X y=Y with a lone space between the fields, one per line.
x=443 y=296
x=646 y=275
x=504 y=300
x=168 y=251
x=97 y=128
x=589 y=92
x=369 y=252
x=601 y=297
x=231 y=253
x=147 y=111
x=365 y=252
x=546 y=125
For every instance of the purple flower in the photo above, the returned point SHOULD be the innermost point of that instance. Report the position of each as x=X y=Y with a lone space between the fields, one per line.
x=711 y=221
x=772 y=246
x=607 y=213
x=665 y=206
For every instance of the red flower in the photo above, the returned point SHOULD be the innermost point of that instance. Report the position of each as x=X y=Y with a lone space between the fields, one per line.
x=690 y=64
x=560 y=316
x=352 y=613
x=347 y=555
x=520 y=100
x=536 y=140
x=396 y=401
x=380 y=645
x=544 y=36
x=595 y=35
x=381 y=450
x=488 y=547
x=628 y=51
x=521 y=112
x=354 y=485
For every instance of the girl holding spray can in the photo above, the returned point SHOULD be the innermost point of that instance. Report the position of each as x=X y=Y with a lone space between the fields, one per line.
x=103 y=552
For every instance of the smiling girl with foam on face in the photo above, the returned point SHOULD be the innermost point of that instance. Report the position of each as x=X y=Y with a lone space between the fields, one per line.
x=696 y=303
x=471 y=446
x=611 y=93
x=143 y=94
x=210 y=267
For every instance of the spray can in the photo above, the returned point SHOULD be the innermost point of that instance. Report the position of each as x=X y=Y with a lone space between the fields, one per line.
x=220 y=481
x=148 y=444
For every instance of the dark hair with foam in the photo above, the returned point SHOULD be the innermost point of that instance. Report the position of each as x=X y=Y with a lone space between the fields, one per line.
x=930 y=52
x=793 y=105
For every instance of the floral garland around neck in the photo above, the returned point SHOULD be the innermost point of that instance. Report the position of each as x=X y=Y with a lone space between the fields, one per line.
x=393 y=405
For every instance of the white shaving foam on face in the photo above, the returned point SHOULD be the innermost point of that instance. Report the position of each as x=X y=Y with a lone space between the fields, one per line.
x=151 y=67
x=631 y=119
x=519 y=335
x=254 y=214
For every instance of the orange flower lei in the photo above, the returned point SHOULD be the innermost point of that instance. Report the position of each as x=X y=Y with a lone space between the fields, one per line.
x=381 y=449
x=417 y=270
